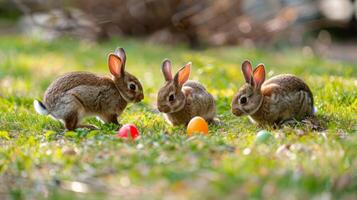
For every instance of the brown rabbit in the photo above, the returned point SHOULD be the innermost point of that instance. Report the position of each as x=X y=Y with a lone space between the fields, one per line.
x=180 y=100
x=283 y=98
x=76 y=95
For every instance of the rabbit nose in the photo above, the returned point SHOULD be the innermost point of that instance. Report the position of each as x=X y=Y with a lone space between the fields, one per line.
x=236 y=111
x=163 y=108
x=141 y=96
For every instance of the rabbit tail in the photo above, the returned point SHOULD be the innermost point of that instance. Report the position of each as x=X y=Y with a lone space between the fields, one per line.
x=40 y=107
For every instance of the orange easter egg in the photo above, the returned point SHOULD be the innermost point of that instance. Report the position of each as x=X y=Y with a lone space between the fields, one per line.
x=197 y=125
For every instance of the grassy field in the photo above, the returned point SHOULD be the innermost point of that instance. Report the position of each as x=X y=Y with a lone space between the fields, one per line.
x=38 y=160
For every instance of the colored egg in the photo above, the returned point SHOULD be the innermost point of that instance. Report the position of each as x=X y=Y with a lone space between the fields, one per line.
x=128 y=131
x=263 y=136
x=197 y=125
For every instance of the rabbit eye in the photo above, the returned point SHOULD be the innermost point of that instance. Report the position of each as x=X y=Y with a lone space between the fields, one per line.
x=132 y=86
x=171 y=98
x=243 y=100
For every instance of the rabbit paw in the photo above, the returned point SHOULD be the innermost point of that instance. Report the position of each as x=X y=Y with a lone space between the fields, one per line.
x=87 y=126
x=216 y=122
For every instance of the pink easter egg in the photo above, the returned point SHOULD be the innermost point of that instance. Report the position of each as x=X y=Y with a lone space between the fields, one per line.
x=128 y=131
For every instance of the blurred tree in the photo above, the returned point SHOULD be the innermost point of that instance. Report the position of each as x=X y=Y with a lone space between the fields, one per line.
x=213 y=22
x=8 y=10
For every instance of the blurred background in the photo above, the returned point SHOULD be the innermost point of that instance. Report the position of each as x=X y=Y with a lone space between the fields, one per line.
x=324 y=27
x=42 y=39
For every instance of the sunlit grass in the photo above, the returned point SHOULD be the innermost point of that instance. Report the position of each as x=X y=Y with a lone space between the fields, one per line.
x=39 y=160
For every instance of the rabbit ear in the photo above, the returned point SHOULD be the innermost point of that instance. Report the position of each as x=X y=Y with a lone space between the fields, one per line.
x=247 y=72
x=259 y=75
x=166 y=69
x=183 y=74
x=116 y=65
x=187 y=90
x=121 y=54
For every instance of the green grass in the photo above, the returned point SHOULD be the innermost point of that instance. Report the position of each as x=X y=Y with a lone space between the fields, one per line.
x=39 y=161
